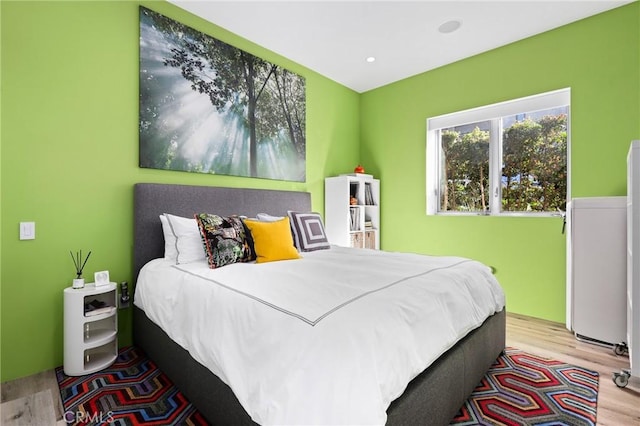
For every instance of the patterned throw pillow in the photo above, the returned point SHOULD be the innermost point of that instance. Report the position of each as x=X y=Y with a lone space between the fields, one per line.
x=308 y=231
x=225 y=239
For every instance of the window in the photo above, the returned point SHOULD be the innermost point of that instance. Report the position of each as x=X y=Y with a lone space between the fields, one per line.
x=506 y=158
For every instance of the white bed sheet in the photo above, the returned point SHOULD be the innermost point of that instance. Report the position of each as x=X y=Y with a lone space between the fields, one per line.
x=332 y=338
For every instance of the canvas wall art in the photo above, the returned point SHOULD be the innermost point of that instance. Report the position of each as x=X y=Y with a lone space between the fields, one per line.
x=209 y=107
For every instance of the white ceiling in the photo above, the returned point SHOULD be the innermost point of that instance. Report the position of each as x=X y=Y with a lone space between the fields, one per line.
x=334 y=38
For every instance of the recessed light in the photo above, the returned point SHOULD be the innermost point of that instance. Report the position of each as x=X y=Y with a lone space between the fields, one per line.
x=450 y=26
x=370 y=59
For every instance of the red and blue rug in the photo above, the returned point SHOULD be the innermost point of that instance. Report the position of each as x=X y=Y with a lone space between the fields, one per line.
x=133 y=391
x=525 y=389
x=520 y=389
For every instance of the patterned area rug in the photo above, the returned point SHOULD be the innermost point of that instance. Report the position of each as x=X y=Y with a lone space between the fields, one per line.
x=520 y=389
x=524 y=389
x=130 y=392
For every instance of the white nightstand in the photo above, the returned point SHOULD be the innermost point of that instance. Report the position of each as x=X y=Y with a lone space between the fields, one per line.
x=90 y=336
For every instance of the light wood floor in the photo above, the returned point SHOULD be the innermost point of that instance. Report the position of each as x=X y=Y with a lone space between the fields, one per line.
x=30 y=401
x=616 y=406
x=35 y=400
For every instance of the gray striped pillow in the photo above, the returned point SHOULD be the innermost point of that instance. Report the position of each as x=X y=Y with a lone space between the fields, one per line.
x=308 y=231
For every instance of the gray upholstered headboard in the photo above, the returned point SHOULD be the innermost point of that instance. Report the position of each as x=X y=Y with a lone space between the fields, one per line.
x=152 y=199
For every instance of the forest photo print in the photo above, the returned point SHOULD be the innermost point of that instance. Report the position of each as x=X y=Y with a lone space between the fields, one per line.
x=209 y=107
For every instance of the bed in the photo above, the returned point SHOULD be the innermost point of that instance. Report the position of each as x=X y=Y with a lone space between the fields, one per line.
x=433 y=397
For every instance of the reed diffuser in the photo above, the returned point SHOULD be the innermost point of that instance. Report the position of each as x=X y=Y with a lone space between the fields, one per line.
x=79 y=264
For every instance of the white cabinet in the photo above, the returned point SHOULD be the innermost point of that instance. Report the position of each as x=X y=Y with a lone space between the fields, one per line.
x=596 y=268
x=632 y=294
x=90 y=328
x=352 y=210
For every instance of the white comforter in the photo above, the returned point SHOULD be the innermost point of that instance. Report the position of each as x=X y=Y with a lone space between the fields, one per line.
x=332 y=338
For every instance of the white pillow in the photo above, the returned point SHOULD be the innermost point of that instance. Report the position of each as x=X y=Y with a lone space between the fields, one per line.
x=170 y=249
x=188 y=242
x=265 y=217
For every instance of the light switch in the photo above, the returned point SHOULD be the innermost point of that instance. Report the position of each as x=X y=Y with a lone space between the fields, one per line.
x=27 y=230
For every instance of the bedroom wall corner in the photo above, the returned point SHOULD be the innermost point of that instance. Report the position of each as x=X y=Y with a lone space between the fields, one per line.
x=69 y=159
x=599 y=59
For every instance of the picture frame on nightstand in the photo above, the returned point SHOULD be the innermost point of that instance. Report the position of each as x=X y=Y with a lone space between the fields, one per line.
x=101 y=278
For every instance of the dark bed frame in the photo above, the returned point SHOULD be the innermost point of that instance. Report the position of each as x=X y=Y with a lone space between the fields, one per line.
x=433 y=397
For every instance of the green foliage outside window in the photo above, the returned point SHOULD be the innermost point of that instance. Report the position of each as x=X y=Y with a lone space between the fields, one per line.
x=467 y=170
x=534 y=167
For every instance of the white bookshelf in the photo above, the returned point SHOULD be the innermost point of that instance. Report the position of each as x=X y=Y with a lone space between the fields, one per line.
x=90 y=337
x=352 y=225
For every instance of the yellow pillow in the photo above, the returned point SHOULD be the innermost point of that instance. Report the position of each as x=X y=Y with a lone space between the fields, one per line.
x=272 y=240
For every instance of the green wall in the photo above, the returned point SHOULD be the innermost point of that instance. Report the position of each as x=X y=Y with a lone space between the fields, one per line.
x=599 y=59
x=69 y=115
x=69 y=152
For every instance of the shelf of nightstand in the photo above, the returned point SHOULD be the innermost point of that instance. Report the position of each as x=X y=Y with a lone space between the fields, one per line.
x=95 y=359
x=99 y=336
x=101 y=315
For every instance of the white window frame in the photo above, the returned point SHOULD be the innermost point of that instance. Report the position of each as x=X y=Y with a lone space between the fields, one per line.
x=548 y=100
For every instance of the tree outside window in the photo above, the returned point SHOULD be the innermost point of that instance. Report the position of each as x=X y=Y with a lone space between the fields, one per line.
x=531 y=153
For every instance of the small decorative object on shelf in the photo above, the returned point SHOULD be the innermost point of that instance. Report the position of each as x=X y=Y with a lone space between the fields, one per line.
x=358 y=169
x=79 y=264
x=101 y=278
x=353 y=201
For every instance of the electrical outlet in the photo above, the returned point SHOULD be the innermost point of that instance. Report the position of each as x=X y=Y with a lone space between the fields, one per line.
x=27 y=230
